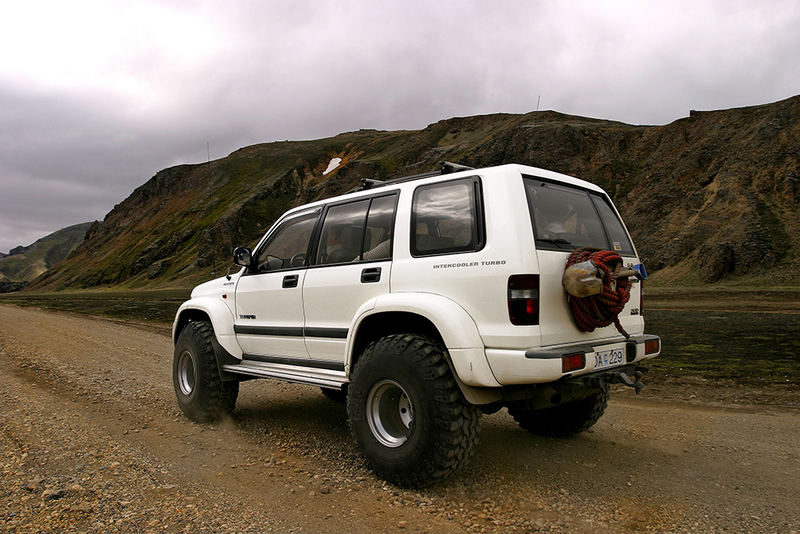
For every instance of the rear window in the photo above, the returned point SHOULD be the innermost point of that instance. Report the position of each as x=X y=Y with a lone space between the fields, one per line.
x=566 y=218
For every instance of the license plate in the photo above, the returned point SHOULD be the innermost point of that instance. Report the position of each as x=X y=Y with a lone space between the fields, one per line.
x=609 y=358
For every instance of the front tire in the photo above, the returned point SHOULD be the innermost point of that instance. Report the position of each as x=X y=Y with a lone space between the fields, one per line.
x=564 y=420
x=202 y=395
x=406 y=413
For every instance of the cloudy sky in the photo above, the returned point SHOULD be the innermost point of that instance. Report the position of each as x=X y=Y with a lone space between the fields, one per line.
x=97 y=96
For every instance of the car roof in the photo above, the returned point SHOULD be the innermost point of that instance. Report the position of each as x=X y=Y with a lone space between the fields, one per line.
x=486 y=171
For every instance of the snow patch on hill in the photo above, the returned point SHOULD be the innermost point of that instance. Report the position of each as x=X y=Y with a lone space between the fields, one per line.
x=334 y=163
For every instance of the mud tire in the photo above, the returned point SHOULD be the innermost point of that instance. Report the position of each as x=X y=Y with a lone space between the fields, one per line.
x=565 y=420
x=410 y=372
x=202 y=396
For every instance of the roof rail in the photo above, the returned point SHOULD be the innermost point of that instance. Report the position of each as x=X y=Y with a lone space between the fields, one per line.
x=446 y=168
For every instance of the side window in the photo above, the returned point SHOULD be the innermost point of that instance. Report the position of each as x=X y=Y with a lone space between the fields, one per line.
x=446 y=218
x=380 y=222
x=342 y=233
x=288 y=246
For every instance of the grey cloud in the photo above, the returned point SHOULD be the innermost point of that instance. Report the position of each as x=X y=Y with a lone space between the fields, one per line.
x=300 y=70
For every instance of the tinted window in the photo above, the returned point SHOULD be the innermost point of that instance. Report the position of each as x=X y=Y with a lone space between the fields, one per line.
x=617 y=236
x=380 y=221
x=446 y=218
x=566 y=218
x=288 y=245
x=342 y=233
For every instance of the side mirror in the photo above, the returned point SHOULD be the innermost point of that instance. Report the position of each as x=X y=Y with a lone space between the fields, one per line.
x=243 y=257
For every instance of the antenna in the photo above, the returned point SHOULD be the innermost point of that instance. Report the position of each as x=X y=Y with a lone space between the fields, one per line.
x=208 y=153
x=537 y=102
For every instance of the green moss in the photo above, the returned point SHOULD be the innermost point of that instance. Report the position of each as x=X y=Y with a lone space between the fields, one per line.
x=694 y=348
x=728 y=345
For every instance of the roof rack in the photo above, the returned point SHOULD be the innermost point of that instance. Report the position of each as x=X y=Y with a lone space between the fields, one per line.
x=446 y=168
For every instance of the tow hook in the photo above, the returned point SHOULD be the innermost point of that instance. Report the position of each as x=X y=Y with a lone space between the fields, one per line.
x=634 y=382
x=629 y=375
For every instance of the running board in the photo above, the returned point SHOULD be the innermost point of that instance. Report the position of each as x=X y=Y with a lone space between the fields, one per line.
x=290 y=373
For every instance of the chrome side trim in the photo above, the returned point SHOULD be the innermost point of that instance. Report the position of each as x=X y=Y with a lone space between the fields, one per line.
x=290 y=373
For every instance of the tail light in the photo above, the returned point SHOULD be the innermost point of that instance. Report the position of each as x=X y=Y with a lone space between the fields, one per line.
x=523 y=299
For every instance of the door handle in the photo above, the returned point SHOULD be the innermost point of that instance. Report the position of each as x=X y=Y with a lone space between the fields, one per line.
x=371 y=275
x=290 y=280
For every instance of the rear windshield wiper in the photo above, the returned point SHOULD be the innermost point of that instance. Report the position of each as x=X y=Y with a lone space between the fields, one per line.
x=560 y=243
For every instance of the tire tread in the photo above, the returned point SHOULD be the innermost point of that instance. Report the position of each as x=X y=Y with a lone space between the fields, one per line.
x=214 y=397
x=456 y=421
x=565 y=420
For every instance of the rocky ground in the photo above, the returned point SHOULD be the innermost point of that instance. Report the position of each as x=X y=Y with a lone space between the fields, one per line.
x=91 y=440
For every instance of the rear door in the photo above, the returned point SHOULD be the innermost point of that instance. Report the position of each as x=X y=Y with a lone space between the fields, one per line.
x=566 y=218
x=352 y=264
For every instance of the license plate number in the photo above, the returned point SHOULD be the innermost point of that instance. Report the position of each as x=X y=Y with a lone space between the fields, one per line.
x=609 y=358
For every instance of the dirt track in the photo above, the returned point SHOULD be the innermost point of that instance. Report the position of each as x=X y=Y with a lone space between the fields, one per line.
x=91 y=439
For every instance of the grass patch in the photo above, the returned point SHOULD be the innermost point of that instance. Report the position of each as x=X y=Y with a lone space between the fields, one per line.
x=721 y=297
x=155 y=306
x=746 y=347
x=693 y=348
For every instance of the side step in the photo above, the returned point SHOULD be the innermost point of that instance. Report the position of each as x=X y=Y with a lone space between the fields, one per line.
x=290 y=373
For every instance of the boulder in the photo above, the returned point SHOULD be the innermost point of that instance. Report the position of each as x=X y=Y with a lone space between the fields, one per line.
x=715 y=261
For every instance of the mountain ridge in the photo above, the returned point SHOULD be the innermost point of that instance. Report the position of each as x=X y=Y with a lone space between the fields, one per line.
x=709 y=197
x=24 y=263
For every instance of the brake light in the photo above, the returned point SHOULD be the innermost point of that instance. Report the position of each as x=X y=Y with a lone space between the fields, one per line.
x=651 y=346
x=523 y=299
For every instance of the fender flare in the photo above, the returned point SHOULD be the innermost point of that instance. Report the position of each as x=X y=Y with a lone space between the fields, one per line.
x=221 y=319
x=456 y=327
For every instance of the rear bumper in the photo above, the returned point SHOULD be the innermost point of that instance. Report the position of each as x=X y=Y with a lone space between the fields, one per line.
x=542 y=365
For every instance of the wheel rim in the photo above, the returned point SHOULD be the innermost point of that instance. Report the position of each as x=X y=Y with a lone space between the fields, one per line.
x=186 y=373
x=390 y=414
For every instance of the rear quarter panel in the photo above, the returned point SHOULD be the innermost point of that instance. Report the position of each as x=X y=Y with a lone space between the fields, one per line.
x=477 y=281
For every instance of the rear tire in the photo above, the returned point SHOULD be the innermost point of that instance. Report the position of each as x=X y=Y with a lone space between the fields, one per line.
x=406 y=413
x=564 y=420
x=202 y=395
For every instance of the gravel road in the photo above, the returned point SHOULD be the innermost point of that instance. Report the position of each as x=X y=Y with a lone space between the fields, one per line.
x=91 y=440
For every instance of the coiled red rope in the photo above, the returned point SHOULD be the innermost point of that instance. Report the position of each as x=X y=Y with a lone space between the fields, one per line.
x=596 y=311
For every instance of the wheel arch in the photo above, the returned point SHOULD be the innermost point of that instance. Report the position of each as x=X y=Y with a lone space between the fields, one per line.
x=377 y=325
x=438 y=318
x=226 y=348
x=182 y=319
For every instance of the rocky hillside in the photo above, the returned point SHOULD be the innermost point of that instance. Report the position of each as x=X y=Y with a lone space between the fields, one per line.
x=26 y=263
x=710 y=197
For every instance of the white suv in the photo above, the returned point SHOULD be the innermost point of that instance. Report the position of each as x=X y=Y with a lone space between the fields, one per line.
x=422 y=302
